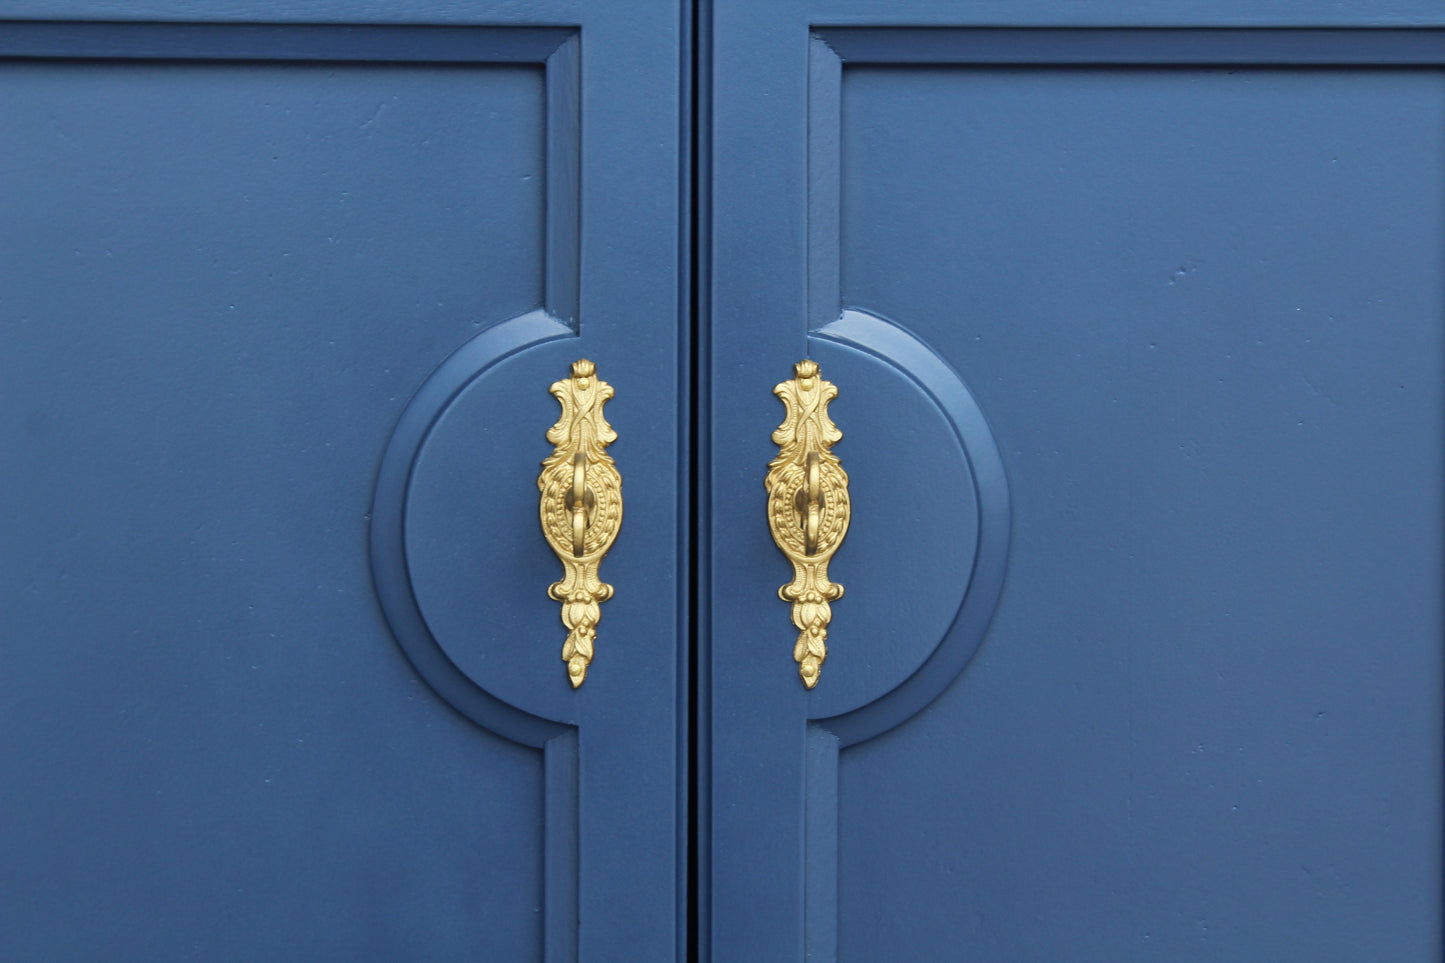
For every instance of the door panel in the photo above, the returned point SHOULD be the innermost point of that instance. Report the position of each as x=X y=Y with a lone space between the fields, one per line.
x=262 y=581
x=1191 y=282
x=200 y=697
x=1218 y=399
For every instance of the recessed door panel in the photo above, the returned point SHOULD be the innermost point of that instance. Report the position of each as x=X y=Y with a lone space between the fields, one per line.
x=207 y=342
x=1202 y=309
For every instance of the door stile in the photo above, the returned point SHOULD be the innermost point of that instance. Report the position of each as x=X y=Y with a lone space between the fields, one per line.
x=458 y=252
x=761 y=140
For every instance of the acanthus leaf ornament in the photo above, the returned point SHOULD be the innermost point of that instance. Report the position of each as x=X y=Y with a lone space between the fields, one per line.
x=581 y=509
x=808 y=509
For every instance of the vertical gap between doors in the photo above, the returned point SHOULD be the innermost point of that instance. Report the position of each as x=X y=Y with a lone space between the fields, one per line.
x=697 y=89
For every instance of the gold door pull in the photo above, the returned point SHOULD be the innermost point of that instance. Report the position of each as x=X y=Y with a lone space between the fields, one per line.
x=581 y=509
x=808 y=509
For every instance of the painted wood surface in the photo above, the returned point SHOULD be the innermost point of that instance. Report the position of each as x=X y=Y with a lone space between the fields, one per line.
x=282 y=304
x=1135 y=316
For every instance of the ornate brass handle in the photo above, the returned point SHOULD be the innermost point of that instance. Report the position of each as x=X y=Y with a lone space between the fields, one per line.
x=581 y=509
x=808 y=509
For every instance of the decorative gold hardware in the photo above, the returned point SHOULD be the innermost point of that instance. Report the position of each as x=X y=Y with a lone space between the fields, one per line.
x=808 y=509
x=581 y=509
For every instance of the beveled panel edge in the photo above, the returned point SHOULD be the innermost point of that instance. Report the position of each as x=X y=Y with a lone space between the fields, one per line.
x=561 y=847
x=562 y=263
x=820 y=845
x=327 y=43
x=825 y=183
x=1137 y=46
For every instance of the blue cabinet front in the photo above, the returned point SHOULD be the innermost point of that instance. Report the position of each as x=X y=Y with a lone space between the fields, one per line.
x=1135 y=320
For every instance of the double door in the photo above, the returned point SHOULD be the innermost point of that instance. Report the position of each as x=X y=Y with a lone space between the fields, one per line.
x=1134 y=316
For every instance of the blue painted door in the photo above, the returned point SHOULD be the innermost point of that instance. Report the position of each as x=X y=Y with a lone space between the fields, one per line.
x=1135 y=317
x=281 y=304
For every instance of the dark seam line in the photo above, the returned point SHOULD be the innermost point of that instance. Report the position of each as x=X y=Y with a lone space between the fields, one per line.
x=695 y=17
